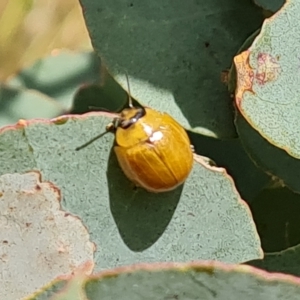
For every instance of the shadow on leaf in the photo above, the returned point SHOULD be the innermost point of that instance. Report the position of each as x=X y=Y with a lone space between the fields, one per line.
x=141 y=217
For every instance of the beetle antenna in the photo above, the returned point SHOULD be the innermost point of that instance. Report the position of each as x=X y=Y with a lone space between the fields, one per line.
x=129 y=93
x=92 y=140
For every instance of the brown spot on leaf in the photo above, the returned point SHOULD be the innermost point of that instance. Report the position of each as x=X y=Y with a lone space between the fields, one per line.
x=267 y=70
x=245 y=75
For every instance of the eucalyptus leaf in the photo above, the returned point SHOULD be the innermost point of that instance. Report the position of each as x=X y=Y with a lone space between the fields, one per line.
x=231 y=155
x=286 y=261
x=60 y=75
x=271 y=5
x=174 y=53
x=198 y=280
x=203 y=219
x=232 y=72
x=268 y=83
x=282 y=205
x=269 y=158
x=18 y=103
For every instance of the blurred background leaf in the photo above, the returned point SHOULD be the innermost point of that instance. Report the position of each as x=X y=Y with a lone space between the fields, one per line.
x=29 y=30
x=59 y=75
x=26 y=104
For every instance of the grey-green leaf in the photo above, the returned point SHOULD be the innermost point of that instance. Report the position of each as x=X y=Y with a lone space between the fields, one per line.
x=193 y=281
x=60 y=75
x=174 y=53
x=268 y=83
x=286 y=261
x=19 y=103
x=271 y=159
x=271 y=5
x=204 y=219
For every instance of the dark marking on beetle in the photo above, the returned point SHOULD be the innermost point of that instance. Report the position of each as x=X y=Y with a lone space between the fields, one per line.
x=127 y=123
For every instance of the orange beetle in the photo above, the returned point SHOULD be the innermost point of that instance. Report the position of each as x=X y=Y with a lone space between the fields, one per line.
x=152 y=149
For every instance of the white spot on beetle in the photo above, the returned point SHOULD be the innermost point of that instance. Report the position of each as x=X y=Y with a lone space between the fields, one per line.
x=156 y=136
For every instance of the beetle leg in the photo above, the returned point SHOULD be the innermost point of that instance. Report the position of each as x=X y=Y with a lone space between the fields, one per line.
x=111 y=126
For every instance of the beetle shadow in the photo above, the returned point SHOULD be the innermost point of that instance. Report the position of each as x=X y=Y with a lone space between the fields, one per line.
x=141 y=217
